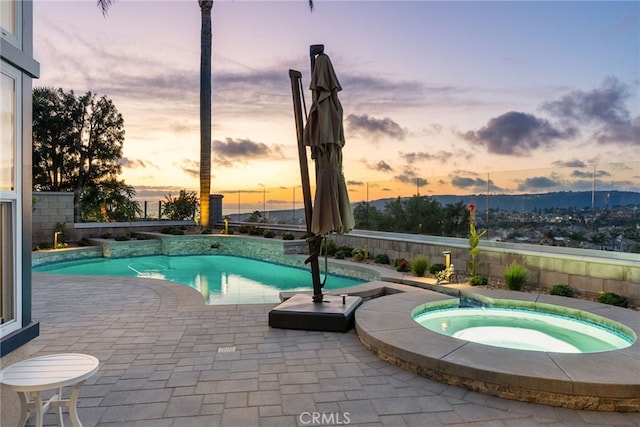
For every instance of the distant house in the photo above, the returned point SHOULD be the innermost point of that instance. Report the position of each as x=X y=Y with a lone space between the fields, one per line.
x=18 y=68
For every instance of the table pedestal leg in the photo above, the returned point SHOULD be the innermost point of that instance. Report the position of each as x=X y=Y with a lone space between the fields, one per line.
x=60 y=423
x=73 y=401
x=37 y=400
x=24 y=408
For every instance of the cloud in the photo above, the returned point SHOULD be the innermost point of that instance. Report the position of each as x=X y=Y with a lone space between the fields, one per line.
x=375 y=128
x=516 y=133
x=537 y=183
x=589 y=174
x=355 y=183
x=409 y=176
x=603 y=107
x=189 y=167
x=474 y=184
x=575 y=163
x=440 y=156
x=242 y=150
x=125 y=162
x=465 y=182
x=383 y=166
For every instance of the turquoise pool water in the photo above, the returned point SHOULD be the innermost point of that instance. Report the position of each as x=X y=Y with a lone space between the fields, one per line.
x=524 y=329
x=221 y=279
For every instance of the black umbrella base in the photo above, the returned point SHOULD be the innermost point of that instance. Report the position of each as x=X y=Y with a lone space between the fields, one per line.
x=334 y=314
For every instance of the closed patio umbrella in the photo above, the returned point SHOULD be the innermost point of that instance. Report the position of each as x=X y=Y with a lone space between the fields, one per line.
x=324 y=133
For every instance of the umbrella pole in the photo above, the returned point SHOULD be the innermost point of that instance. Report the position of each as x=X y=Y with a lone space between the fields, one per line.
x=312 y=239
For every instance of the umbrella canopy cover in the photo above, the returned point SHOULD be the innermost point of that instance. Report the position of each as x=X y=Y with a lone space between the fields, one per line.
x=324 y=133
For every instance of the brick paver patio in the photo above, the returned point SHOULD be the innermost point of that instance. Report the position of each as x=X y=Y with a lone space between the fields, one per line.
x=169 y=360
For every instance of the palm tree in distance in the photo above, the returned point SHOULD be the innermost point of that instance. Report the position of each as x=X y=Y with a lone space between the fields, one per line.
x=205 y=101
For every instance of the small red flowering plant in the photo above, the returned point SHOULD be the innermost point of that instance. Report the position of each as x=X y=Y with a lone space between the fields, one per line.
x=402 y=265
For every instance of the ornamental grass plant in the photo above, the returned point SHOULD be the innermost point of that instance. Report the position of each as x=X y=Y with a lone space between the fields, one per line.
x=516 y=276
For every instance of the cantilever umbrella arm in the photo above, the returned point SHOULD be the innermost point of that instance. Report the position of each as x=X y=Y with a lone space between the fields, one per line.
x=313 y=239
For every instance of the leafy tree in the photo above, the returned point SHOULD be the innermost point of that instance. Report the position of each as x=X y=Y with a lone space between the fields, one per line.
x=181 y=208
x=454 y=219
x=107 y=201
x=77 y=141
x=430 y=214
x=367 y=217
x=254 y=217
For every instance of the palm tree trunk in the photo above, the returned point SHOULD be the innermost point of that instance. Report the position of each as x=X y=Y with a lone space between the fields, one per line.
x=205 y=110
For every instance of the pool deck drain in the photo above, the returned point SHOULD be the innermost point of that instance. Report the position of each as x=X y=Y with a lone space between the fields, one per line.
x=606 y=381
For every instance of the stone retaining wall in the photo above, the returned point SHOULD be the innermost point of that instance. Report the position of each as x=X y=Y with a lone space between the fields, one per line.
x=589 y=275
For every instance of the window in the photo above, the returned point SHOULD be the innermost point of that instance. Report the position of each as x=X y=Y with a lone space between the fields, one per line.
x=10 y=11
x=7 y=273
x=10 y=202
x=7 y=132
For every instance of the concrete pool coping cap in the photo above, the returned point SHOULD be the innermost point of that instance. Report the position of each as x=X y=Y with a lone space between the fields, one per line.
x=606 y=381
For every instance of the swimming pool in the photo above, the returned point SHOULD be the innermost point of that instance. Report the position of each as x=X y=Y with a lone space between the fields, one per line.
x=221 y=279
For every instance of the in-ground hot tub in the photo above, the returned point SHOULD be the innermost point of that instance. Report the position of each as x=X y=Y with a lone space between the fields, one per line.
x=554 y=329
x=606 y=380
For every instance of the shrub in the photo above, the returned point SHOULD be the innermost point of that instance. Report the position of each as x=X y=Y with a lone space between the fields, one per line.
x=478 y=280
x=269 y=234
x=288 y=236
x=402 y=265
x=612 y=299
x=244 y=229
x=207 y=230
x=140 y=236
x=419 y=266
x=254 y=231
x=45 y=245
x=435 y=268
x=340 y=254
x=562 y=290
x=108 y=235
x=122 y=238
x=382 y=259
x=83 y=242
x=348 y=250
x=360 y=254
x=515 y=276
x=328 y=247
x=177 y=231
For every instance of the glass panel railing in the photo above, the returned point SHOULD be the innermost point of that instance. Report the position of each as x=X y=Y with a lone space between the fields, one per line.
x=582 y=206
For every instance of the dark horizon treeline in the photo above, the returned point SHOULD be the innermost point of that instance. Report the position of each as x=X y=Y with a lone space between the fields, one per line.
x=423 y=215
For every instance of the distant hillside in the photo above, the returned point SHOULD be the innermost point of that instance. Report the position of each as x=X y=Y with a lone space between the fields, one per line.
x=519 y=203
x=531 y=202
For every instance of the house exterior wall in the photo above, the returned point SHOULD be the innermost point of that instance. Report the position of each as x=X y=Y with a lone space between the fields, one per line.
x=16 y=53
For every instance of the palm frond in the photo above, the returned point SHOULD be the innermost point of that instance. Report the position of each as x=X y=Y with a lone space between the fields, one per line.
x=104 y=5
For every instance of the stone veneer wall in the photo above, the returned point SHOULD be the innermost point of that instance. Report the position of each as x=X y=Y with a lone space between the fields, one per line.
x=590 y=275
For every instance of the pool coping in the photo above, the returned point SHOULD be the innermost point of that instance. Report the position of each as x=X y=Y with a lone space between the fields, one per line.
x=606 y=381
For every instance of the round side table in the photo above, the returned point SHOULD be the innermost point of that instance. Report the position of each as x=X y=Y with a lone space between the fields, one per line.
x=32 y=376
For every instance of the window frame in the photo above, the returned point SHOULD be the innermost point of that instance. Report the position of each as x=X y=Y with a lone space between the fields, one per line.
x=15 y=38
x=14 y=199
